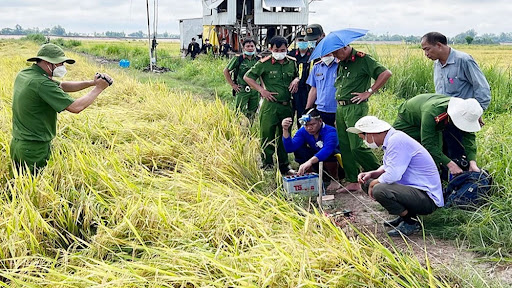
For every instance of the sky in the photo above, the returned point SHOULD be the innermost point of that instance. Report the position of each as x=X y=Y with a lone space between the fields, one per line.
x=403 y=17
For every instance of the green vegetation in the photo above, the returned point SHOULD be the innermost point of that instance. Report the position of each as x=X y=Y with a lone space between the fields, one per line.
x=158 y=188
x=487 y=228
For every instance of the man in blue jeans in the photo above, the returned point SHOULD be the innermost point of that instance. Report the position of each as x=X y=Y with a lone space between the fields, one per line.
x=407 y=184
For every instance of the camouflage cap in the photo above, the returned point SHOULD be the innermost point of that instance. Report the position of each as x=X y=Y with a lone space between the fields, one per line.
x=51 y=53
x=313 y=32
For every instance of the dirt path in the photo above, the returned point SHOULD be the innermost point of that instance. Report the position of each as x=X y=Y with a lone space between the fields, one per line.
x=367 y=215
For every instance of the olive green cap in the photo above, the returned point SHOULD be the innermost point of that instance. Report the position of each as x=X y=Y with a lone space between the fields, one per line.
x=51 y=53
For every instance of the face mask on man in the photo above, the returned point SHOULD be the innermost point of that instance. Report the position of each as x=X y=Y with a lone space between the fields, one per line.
x=249 y=53
x=279 y=55
x=327 y=60
x=312 y=44
x=59 y=71
x=372 y=145
x=302 y=45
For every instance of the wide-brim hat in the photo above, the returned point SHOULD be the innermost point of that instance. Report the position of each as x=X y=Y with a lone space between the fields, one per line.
x=369 y=124
x=465 y=113
x=51 y=53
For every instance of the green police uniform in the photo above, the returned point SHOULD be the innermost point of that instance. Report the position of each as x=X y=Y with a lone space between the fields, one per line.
x=424 y=118
x=354 y=75
x=247 y=99
x=36 y=101
x=276 y=77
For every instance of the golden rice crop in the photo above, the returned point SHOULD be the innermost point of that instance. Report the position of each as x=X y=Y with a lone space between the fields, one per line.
x=152 y=188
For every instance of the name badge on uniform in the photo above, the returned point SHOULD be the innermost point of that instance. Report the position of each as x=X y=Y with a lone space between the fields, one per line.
x=319 y=74
x=272 y=72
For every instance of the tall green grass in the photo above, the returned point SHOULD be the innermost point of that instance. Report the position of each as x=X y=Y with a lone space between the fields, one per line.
x=156 y=188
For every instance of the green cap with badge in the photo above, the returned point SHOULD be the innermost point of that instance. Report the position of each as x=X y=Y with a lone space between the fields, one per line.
x=51 y=53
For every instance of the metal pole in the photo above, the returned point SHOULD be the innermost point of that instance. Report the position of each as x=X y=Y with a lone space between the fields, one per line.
x=149 y=37
x=320 y=184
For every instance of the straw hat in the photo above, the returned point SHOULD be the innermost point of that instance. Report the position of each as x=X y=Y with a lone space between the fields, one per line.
x=369 y=124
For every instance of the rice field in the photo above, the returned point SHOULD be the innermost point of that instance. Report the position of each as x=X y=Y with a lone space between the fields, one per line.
x=154 y=186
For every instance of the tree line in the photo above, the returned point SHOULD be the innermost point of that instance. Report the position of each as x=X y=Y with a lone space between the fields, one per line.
x=60 y=31
x=468 y=37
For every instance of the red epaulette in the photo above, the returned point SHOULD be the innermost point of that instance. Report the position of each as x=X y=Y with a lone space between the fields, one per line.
x=265 y=59
x=441 y=117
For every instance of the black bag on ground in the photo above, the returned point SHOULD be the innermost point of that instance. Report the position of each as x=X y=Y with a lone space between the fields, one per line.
x=468 y=189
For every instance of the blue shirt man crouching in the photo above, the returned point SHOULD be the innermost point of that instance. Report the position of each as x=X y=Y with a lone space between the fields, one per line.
x=314 y=142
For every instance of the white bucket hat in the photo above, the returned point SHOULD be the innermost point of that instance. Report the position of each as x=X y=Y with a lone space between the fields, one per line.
x=369 y=124
x=465 y=113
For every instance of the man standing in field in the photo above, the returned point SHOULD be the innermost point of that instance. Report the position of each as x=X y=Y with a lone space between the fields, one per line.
x=193 y=49
x=37 y=99
x=353 y=89
x=301 y=55
x=278 y=74
x=322 y=92
x=207 y=47
x=407 y=184
x=247 y=99
x=456 y=74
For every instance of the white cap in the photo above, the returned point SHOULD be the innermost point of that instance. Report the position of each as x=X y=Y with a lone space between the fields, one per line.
x=465 y=113
x=369 y=124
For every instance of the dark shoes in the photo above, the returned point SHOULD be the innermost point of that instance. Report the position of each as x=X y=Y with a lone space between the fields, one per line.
x=405 y=229
x=393 y=223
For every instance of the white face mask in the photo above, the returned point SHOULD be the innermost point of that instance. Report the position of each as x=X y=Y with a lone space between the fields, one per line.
x=372 y=145
x=279 y=55
x=59 y=71
x=327 y=60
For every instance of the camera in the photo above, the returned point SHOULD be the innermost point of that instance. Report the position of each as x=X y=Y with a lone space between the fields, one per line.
x=462 y=162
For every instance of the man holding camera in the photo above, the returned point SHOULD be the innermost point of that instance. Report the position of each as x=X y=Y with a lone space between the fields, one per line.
x=425 y=117
x=37 y=99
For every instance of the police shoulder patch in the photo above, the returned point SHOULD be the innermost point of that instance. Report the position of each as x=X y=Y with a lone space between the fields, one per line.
x=360 y=54
x=265 y=59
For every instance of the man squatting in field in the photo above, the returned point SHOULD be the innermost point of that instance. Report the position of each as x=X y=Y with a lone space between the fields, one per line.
x=278 y=74
x=353 y=89
x=314 y=142
x=37 y=99
x=456 y=74
x=407 y=184
x=247 y=99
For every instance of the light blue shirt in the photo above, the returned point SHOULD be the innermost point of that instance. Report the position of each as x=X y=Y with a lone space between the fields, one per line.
x=322 y=77
x=408 y=163
x=461 y=77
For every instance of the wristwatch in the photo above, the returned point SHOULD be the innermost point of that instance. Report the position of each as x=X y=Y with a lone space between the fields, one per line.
x=370 y=90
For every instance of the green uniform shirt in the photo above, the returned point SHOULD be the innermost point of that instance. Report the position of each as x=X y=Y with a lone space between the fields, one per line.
x=421 y=111
x=275 y=76
x=242 y=67
x=35 y=103
x=355 y=73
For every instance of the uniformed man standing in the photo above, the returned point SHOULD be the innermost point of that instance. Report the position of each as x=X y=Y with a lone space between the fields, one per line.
x=314 y=33
x=224 y=48
x=279 y=80
x=247 y=99
x=353 y=88
x=301 y=54
x=193 y=48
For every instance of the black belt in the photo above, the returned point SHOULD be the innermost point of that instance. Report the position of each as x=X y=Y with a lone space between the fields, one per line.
x=285 y=103
x=348 y=102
